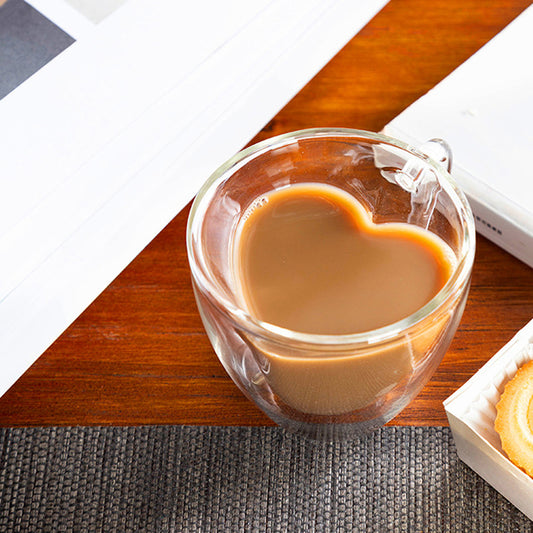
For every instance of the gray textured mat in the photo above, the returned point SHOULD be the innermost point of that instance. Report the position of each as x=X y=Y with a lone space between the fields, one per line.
x=28 y=41
x=175 y=478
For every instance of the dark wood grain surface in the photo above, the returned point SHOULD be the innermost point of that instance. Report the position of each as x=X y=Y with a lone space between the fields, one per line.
x=139 y=354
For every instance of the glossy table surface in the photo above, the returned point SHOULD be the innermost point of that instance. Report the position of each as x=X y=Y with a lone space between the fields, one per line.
x=139 y=355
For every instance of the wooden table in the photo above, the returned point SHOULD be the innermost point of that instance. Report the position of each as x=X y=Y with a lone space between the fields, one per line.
x=139 y=354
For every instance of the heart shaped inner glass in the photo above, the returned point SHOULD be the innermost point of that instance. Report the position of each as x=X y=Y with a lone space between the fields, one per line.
x=309 y=258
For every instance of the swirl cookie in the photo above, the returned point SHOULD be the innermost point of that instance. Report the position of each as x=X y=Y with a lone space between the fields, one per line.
x=514 y=421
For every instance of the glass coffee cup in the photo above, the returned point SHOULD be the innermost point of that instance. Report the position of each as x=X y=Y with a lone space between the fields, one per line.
x=327 y=386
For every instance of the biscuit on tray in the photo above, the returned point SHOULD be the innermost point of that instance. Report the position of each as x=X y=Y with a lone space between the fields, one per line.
x=514 y=421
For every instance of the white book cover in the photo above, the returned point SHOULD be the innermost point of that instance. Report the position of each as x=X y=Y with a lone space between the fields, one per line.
x=484 y=111
x=112 y=116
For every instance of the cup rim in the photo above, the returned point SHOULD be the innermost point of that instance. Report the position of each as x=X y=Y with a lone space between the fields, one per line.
x=272 y=332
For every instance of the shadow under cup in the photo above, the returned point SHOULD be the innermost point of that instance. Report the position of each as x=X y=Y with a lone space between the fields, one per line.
x=329 y=386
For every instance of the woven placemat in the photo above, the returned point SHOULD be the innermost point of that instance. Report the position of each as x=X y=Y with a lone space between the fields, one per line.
x=198 y=478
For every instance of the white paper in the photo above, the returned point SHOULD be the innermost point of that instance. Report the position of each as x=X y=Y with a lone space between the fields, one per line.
x=64 y=15
x=110 y=140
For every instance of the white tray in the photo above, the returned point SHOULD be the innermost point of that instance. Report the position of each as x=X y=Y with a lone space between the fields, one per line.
x=471 y=412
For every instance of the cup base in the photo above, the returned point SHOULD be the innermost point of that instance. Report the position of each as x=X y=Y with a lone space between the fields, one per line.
x=333 y=432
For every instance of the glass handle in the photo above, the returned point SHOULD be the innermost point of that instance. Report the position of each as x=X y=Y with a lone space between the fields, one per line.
x=439 y=150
